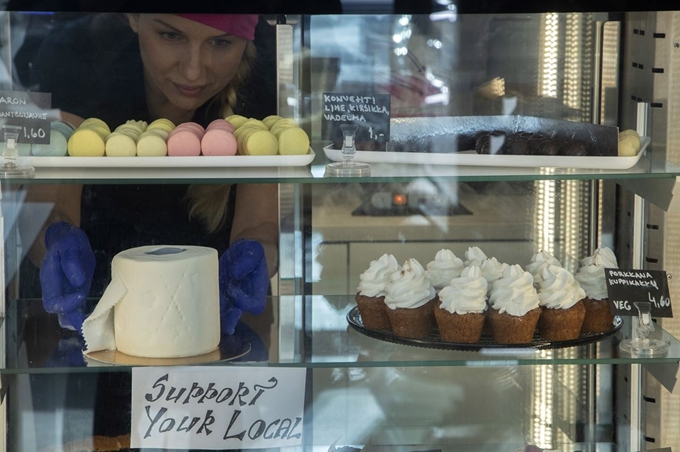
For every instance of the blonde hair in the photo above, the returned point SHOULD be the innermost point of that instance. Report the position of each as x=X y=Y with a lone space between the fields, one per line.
x=209 y=203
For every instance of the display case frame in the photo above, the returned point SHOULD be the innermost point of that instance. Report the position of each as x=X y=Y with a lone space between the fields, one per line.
x=301 y=337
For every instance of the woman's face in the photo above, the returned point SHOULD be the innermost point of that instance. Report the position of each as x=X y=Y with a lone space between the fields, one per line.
x=186 y=63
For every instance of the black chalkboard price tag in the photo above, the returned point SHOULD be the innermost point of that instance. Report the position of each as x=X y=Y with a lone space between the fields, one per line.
x=625 y=287
x=369 y=112
x=30 y=111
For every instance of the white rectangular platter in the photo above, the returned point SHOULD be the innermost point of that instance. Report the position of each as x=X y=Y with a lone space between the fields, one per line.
x=471 y=158
x=235 y=161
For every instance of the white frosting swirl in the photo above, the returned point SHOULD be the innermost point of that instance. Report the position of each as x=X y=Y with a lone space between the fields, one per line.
x=409 y=287
x=374 y=280
x=539 y=261
x=514 y=293
x=591 y=274
x=492 y=270
x=444 y=268
x=466 y=294
x=558 y=289
x=474 y=256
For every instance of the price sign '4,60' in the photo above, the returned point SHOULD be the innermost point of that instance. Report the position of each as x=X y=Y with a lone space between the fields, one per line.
x=625 y=287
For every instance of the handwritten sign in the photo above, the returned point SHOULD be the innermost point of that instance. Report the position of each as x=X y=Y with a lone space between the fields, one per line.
x=369 y=112
x=28 y=110
x=625 y=287
x=217 y=407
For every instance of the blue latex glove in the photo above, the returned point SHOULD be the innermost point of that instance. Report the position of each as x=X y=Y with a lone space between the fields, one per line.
x=244 y=282
x=66 y=274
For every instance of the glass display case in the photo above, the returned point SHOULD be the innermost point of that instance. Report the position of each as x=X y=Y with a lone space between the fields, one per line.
x=436 y=83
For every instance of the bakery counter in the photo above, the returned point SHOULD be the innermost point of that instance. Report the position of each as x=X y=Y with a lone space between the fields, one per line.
x=36 y=344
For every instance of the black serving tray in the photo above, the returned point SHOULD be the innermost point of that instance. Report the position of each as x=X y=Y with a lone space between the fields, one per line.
x=486 y=341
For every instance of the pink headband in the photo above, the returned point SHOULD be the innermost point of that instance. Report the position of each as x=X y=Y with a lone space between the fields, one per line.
x=239 y=25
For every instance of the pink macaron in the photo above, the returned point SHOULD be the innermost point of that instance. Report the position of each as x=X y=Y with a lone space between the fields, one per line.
x=221 y=124
x=184 y=143
x=194 y=127
x=217 y=141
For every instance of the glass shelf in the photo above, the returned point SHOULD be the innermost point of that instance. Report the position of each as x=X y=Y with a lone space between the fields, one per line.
x=36 y=344
x=648 y=167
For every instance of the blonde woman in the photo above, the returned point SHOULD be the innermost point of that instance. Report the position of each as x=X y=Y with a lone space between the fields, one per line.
x=192 y=67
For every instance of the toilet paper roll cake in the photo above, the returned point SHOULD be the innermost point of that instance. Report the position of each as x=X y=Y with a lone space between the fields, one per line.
x=162 y=302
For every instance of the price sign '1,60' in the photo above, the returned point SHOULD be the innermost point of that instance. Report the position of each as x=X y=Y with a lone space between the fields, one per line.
x=33 y=133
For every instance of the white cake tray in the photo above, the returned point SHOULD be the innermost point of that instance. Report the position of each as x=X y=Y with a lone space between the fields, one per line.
x=235 y=161
x=471 y=158
x=117 y=358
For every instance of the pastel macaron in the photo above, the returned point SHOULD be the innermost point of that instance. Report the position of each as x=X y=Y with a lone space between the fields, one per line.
x=129 y=129
x=217 y=141
x=161 y=123
x=257 y=142
x=221 y=124
x=65 y=128
x=96 y=124
x=157 y=131
x=86 y=142
x=270 y=120
x=252 y=122
x=152 y=144
x=194 y=127
x=120 y=145
x=60 y=132
x=183 y=143
x=293 y=141
x=236 y=120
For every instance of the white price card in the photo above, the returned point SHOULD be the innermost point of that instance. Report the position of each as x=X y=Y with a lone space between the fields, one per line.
x=217 y=407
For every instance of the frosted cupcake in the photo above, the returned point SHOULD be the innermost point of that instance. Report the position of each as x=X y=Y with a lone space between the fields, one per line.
x=443 y=269
x=590 y=276
x=562 y=311
x=514 y=309
x=460 y=312
x=370 y=296
x=492 y=271
x=410 y=301
x=474 y=256
x=539 y=261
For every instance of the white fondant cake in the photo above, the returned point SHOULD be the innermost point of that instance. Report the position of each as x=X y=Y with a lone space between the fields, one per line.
x=165 y=302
